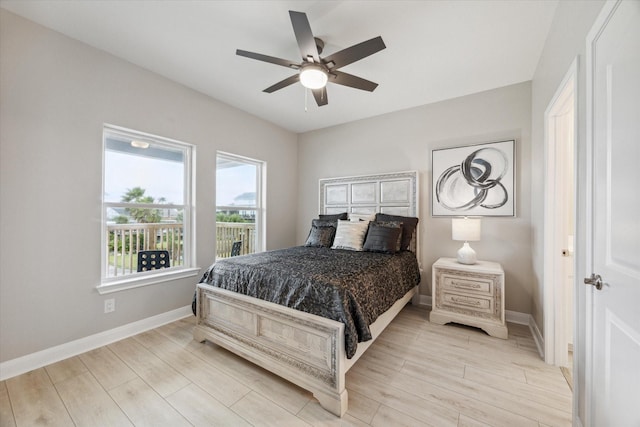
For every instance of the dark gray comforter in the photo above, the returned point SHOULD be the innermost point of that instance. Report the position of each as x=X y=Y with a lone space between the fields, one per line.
x=351 y=287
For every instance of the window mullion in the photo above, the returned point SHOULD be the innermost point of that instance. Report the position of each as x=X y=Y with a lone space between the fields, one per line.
x=144 y=205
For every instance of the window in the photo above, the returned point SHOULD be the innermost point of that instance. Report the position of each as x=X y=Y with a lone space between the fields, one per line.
x=239 y=205
x=147 y=207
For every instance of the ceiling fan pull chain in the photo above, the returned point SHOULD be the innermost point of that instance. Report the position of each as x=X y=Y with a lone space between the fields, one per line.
x=306 y=95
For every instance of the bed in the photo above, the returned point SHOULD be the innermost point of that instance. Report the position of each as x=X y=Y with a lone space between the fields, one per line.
x=308 y=313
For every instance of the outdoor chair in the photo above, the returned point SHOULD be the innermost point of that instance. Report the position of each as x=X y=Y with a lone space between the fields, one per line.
x=235 y=249
x=153 y=260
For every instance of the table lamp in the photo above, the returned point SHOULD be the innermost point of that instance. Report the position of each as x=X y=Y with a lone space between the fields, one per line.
x=466 y=230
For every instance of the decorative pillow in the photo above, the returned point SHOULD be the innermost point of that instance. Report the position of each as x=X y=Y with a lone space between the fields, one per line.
x=350 y=235
x=362 y=217
x=334 y=217
x=325 y=222
x=321 y=234
x=393 y=224
x=409 y=225
x=382 y=238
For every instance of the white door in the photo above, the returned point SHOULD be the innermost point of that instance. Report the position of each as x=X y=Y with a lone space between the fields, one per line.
x=613 y=129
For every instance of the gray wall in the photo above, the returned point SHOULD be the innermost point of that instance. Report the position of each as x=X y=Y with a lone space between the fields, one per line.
x=403 y=141
x=56 y=95
x=565 y=42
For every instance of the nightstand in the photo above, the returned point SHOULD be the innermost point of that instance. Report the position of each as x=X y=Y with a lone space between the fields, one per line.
x=469 y=294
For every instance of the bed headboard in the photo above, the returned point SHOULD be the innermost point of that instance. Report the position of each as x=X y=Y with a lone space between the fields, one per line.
x=391 y=193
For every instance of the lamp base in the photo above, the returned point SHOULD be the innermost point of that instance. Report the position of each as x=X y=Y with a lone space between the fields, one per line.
x=466 y=255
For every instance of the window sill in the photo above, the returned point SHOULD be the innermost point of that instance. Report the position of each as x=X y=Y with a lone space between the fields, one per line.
x=153 y=279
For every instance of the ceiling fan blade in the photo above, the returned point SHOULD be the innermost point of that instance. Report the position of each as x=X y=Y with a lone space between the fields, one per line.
x=350 y=80
x=354 y=53
x=282 y=84
x=304 y=36
x=321 y=96
x=267 y=58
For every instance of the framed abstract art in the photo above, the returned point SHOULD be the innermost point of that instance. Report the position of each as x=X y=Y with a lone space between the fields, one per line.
x=474 y=180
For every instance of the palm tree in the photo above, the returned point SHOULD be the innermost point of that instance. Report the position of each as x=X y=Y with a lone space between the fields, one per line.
x=141 y=215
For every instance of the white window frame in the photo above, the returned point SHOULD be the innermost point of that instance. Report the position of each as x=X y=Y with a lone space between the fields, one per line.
x=138 y=279
x=261 y=191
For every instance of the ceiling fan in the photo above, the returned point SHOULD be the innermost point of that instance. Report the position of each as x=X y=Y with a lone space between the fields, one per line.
x=314 y=71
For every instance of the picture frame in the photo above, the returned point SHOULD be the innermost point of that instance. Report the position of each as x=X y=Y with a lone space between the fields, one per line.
x=474 y=180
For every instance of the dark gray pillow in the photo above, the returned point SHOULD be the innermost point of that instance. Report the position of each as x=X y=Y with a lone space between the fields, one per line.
x=334 y=217
x=393 y=224
x=409 y=225
x=321 y=234
x=382 y=238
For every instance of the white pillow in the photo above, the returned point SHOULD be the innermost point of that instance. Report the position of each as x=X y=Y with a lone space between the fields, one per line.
x=362 y=217
x=350 y=235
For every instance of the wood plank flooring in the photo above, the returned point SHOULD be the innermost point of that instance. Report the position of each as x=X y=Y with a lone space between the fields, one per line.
x=415 y=374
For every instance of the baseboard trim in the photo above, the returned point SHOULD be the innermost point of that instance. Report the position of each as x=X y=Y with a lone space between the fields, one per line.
x=424 y=301
x=517 y=317
x=36 y=360
x=537 y=337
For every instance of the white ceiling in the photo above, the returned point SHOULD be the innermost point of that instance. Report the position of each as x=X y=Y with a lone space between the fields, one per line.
x=436 y=50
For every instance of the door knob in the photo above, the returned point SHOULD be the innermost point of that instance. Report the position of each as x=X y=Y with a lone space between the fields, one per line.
x=594 y=280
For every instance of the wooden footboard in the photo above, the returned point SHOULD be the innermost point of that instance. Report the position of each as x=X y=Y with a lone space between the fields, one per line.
x=303 y=348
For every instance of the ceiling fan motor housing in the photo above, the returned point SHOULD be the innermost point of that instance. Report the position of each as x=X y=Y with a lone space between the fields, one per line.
x=319 y=44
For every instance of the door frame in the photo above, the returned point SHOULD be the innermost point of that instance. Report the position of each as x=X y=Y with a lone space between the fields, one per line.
x=555 y=339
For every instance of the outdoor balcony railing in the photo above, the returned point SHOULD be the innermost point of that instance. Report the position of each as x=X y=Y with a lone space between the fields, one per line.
x=124 y=241
x=229 y=232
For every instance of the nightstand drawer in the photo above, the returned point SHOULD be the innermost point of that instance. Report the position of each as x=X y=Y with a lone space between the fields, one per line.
x=467 y=303
x=462 y=284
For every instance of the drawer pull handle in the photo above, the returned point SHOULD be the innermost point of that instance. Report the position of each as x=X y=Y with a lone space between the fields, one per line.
x=465 y=285
x=465 y=301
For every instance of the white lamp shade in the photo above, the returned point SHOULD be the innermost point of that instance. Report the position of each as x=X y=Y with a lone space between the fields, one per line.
x=313 y=77
x=466 y=229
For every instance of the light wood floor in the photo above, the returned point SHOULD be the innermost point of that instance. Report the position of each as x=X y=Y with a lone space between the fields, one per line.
x=417 y=373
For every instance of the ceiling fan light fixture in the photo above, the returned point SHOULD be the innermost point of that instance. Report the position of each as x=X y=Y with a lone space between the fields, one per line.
x=313 y=77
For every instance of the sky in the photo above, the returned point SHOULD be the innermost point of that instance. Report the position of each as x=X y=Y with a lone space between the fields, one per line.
x=231 y=182
x=159 y=178
x=164 y=178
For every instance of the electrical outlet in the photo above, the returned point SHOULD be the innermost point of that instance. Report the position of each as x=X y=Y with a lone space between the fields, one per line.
x=109 y=305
